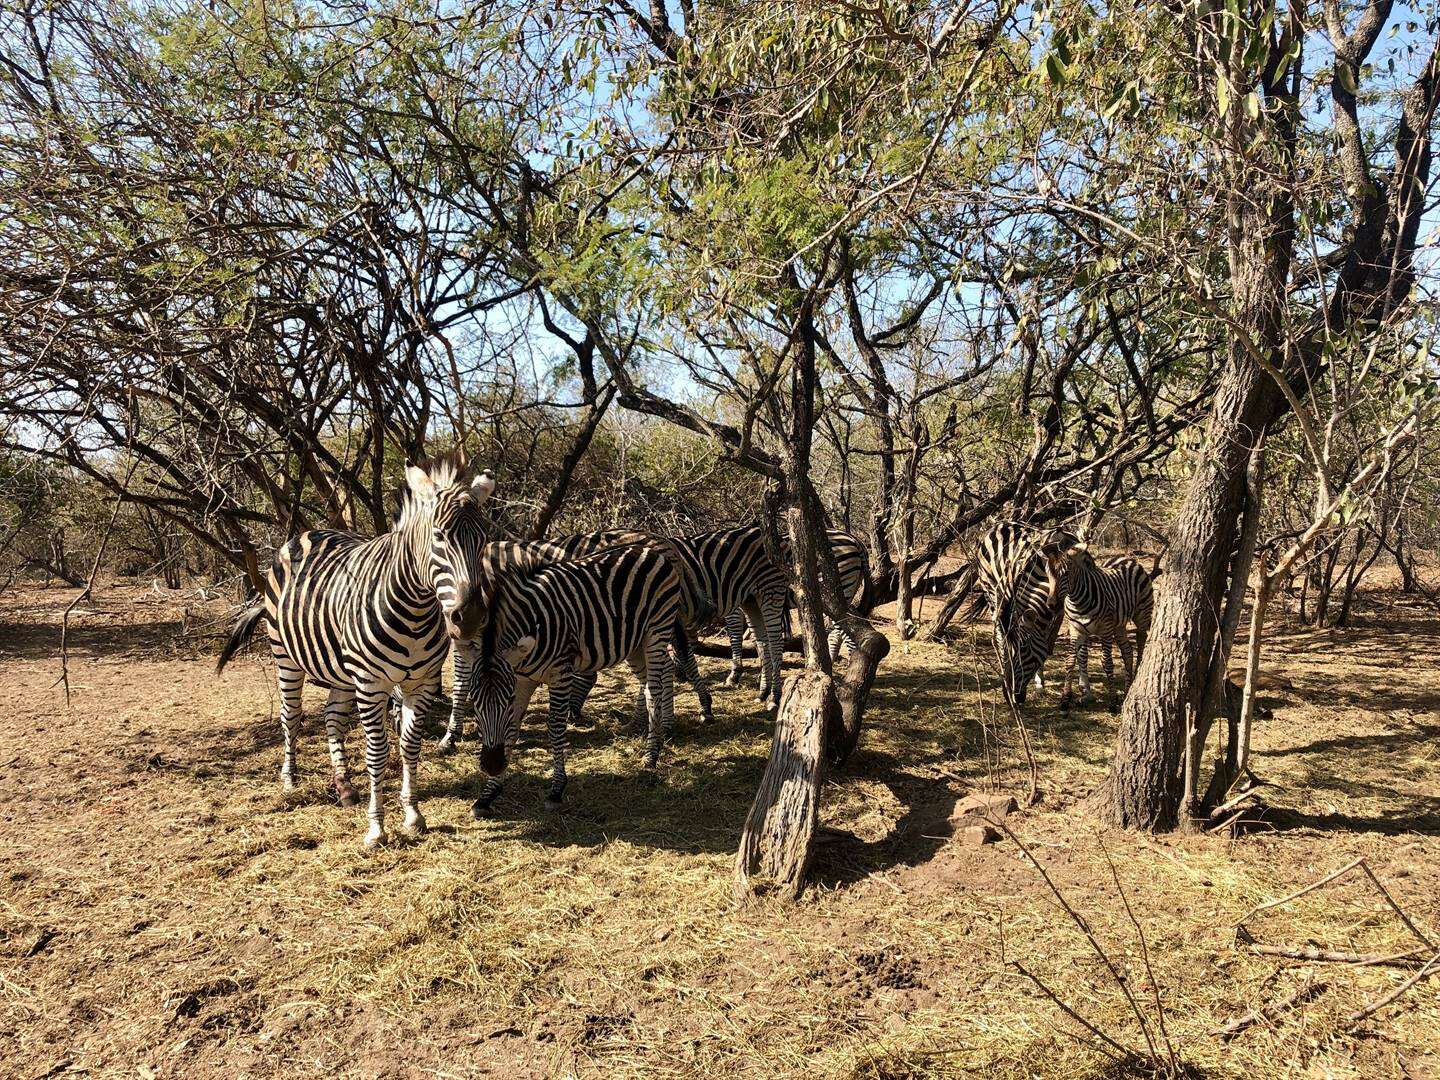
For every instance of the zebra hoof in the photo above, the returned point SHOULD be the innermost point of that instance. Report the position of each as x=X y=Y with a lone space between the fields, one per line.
x=287 y=782
x=552 y=803
x=375 y=838
x=415 y=824
x=446 y=745
x=1114 y=708
x=482 y=811
x=345 y=793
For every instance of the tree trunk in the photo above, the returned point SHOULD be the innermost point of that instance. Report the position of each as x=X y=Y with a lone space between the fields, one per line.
x=775 y=845
x=1169 y=695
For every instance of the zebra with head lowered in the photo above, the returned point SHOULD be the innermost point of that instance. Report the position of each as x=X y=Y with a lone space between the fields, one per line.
x=560 y=622
x=1100 y=600
x=695 y=609
x=852 y=562
x=1018 y=574
x=363 y=617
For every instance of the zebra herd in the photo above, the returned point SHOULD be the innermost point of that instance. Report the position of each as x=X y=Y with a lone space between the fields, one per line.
x=368 y=619
x=1032 y=577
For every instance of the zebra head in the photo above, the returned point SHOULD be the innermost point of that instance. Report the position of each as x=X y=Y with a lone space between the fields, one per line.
x=457 y=538
x=492 y=694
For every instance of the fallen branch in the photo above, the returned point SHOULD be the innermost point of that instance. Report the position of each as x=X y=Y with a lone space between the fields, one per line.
x=1379 y=1003
x=1267 y=1013
x=1330 y=956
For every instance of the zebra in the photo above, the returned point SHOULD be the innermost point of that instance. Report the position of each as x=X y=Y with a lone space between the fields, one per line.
x=853 y=563
x=695 y=607
x=559 y=621
x=737 y=574
x=1022 y=580
x=362 y=617
x=1100 y=599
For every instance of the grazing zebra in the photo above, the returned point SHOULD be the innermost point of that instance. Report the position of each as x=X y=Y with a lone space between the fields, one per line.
x=1100 y=599
x=695 y=607
x=559 y=621
x=364 y=617
x=1025 y=592
x=853 y=563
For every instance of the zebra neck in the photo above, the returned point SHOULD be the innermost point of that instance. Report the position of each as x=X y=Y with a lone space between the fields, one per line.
x=410 y=555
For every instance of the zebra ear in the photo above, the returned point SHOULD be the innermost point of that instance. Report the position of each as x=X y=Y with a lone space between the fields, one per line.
x=418 y=480
x=519 y=651
x=482 y=486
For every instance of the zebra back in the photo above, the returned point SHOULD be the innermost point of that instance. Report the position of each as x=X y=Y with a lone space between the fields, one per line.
x=730 y=566
x=592 y=612
x=1109 y=593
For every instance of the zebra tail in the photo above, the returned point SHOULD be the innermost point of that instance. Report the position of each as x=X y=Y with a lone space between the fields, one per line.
x=240 y=636
x=866 y=603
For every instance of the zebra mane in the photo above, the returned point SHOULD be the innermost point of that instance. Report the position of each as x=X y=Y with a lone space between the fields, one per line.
x=445 y=471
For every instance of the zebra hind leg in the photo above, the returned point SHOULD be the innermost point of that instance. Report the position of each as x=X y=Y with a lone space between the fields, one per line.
x=460 y=706
x=374 y=705
x=1108 y=654
x=659 y=697
x=559 y=718
x=291 y=680
x=735 y=631
x=1067 y=699
x=338 y=711
x=416 y=706
x=689 y=670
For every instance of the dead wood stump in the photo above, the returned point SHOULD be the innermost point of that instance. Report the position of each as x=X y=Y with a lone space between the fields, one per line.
x=776 y=843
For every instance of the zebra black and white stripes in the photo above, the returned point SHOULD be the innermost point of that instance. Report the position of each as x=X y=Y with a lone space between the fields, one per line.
x=853 y=564
x=500 y=558
x=363 y=617
x=1025 y=594
x=552 y=623
x=1101 y=599
x=733 y=569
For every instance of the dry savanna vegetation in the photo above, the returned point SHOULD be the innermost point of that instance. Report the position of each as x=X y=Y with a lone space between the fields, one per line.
x=972 y=337
x=167 y=908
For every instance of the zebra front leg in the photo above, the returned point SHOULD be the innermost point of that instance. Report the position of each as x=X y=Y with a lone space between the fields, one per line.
x=460 y=705
x=416 y=705
x=1067 y=699
x=1082 y=661
x=556 y=726
x=1108 y=653
x=690 y=670
x=374 y=705
x=659 y=697
x=772 y=612
x=735 y=630
x=338 y=710
x=291 y=680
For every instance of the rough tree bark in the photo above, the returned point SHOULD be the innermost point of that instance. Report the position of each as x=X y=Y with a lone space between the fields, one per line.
x=1145 y=784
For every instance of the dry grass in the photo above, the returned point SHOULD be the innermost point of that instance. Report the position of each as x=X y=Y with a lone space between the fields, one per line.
x=186 y=919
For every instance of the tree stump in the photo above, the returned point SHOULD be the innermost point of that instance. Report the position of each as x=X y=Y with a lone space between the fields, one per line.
x=775 y=845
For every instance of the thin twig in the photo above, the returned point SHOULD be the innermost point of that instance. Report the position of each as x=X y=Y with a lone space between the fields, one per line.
x=1379 y=1003
x=1269 y=1012
x=1145 y=956
x=1240 y=922
x=1396 y=907
x=1122 y=1052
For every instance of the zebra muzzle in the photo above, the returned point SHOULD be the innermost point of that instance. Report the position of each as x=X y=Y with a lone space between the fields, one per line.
x=492 y=759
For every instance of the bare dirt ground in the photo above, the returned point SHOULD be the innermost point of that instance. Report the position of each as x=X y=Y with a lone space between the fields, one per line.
x=166 y=911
